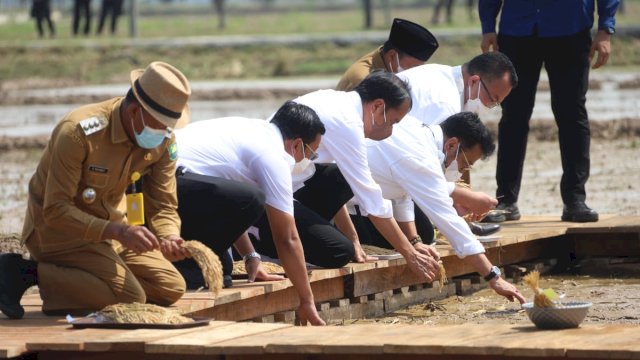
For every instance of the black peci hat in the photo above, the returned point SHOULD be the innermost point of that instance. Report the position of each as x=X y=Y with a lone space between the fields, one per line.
x=412 y=39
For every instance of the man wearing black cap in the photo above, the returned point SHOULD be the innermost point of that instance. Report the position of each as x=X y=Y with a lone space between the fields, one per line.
x=409 y=45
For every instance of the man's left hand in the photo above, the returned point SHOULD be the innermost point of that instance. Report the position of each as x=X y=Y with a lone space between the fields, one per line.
x=428 y=250
x=255 y=271
x=506 y=289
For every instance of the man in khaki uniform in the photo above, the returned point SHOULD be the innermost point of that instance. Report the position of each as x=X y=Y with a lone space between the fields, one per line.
x=409 y=45
x=73 y=214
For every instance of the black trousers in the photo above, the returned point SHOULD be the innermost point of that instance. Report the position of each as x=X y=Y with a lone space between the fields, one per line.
x=81 y=8
x=113 y=7
x=215 y=211
x=369 y=235
x=566 y=62
x=316 y=204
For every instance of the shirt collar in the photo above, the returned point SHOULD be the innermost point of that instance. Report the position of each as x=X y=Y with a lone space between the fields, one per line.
x=457 y=77
x=118 y=134
x=378 y=61
x=438 y=139
x=357 y=103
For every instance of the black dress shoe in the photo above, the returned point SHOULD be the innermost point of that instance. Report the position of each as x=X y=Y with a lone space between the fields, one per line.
x=508 y=212
x=16 y=276
x=227 y=281
x=483 y=229
x=579 y=212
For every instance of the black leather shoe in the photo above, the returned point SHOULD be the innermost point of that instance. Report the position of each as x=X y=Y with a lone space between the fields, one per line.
x=16 y=276
x=483 y=229
x=579 y=212
x=508 y=212
x=227 y=281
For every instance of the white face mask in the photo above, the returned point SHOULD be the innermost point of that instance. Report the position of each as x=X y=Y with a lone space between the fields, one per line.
x=451 y=173
x=475 y=105
x=398 y=67
x=301 y=172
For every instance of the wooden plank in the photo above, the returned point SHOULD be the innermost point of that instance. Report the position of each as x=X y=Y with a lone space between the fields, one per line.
x=195 y=343
x=69 y=340
x=135 y=340
x=271 y=303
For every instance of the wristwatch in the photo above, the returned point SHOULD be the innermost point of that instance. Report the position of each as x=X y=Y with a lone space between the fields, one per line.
x=495 y=272
x=250 y=255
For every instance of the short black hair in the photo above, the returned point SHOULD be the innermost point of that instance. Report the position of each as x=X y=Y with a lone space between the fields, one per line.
x=380 y=84
x=298 y=121
x=492 y=66
x=467 y=127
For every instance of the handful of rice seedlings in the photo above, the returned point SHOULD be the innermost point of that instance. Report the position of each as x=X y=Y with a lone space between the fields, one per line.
x=138 y=313
x=540 y=299
x=208 y=262
x=443 y=276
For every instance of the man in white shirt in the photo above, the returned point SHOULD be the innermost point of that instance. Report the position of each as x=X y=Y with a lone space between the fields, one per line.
x=232 y=171
x=439 y=91
x=370 y=111
x=409 y=166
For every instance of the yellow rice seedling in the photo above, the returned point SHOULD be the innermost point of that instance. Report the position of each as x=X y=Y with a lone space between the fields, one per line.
x=208 y=262
x=540 y=299
x=137 y=313
x=443 y=277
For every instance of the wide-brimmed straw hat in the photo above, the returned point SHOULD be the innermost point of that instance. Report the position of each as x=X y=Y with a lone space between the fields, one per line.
x=163 y=91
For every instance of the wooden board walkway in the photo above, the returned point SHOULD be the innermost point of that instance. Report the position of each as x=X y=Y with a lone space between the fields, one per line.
x=357 y=290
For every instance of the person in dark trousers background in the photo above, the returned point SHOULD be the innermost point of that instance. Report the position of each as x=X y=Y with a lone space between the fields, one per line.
x=41 y=12
x=113 y=7
x=532 y=34
x=81 y=8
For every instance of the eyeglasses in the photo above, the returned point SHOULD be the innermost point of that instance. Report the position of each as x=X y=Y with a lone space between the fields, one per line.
x=494 y=101
x=314 y=155
x=469 y=166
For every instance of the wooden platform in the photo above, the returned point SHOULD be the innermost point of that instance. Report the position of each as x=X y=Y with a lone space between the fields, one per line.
x=358 y=290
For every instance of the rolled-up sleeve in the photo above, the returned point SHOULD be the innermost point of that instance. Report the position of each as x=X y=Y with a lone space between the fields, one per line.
x=68 y=151
x=161 y=203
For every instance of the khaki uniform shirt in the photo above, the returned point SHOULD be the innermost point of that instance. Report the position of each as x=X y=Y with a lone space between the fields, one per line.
x=360 y=69
x=90 y=149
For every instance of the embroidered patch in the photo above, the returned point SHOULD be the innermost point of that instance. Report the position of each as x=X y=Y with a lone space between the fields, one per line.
x=173 y=151
x=98 y=169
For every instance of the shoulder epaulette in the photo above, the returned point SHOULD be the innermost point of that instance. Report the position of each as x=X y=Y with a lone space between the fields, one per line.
x=93 y=124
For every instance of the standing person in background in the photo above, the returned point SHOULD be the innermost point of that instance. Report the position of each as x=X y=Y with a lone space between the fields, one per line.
x=115 y=8
x=533 y=34
x=449 y=4
x=41 y=11
x=409 y=45
x=81 y=8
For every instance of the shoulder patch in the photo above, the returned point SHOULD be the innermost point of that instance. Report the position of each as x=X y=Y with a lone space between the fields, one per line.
x=93 y=125
x=173 y=151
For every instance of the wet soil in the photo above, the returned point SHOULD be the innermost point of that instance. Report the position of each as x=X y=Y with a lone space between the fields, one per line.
x=615 y=300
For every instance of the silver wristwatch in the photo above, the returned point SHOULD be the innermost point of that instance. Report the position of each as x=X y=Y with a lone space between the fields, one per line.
x=495 y=272
x=250 y=255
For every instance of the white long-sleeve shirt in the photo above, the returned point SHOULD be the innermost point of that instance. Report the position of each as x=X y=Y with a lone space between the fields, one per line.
x=436 y=91
x=344 y=143
x=408 y=166
x=240 y=149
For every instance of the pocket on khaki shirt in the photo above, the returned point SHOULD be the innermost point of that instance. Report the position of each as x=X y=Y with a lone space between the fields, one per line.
x=96 y=180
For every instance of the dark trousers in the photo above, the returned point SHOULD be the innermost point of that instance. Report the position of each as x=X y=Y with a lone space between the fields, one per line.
x=81 y=8
x=216 y=212
x=113 y=7
x=42 y=13
x=566 y=61
x=316 y=204
x=369 y=235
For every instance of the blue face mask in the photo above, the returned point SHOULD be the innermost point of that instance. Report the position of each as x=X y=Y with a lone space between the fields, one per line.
x=149 y=138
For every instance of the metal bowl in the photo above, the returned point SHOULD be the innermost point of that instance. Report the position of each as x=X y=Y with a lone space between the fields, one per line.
x=570 y=315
